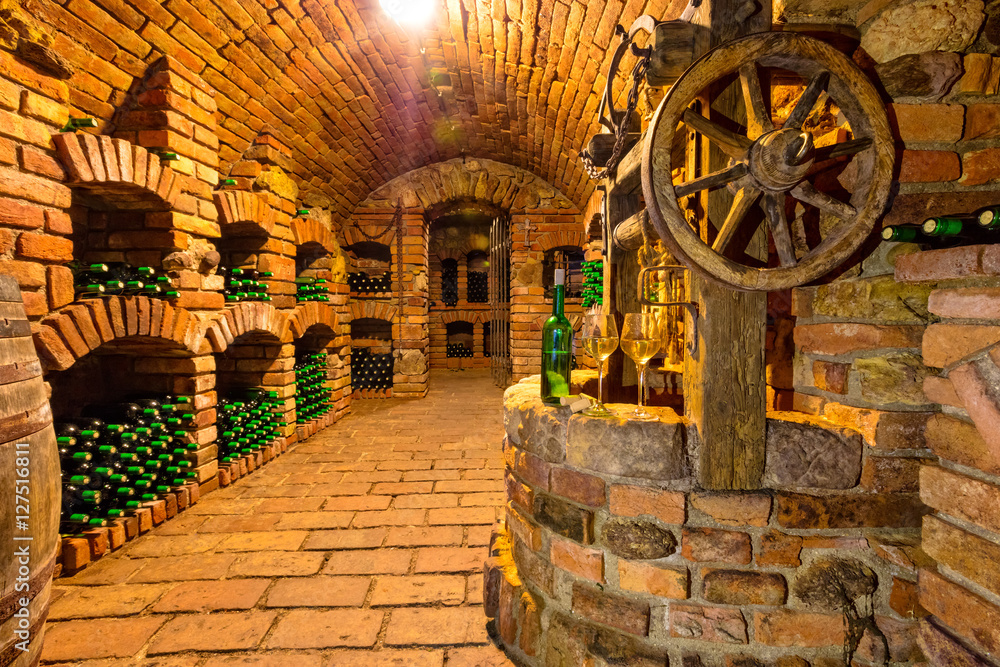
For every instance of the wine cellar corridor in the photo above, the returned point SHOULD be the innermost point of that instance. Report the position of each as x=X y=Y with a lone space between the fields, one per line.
x=362 y=546
x=534 y=333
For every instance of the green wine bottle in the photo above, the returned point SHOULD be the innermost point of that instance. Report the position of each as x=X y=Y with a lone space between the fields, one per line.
x=906 y=234
x=557 y=346
x=959 y=230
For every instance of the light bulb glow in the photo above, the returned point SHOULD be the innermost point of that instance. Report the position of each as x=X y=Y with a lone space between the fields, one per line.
x=409 y=13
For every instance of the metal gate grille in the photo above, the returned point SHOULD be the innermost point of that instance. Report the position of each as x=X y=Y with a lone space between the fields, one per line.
x=499 y=286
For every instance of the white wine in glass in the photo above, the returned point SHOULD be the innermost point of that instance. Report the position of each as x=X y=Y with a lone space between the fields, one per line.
x=600 y=340
x=640 y=340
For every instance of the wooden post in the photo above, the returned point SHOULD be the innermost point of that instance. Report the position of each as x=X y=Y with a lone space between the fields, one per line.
x=724 y=385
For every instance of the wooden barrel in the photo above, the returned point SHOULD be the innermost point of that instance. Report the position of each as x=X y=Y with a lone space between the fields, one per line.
x=30 y=490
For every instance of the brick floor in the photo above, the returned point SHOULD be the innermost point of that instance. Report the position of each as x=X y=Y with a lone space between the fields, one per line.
x=361 y=547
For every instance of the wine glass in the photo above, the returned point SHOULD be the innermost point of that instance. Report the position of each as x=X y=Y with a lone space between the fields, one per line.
x=600 y=339
x=640 y=340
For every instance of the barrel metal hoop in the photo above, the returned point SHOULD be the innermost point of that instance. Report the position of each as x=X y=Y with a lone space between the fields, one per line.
x=9 y=652
x=22 y=424
x=14 y=328
x=22 y=370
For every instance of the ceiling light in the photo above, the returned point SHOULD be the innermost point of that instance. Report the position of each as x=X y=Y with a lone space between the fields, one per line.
x=409 y=13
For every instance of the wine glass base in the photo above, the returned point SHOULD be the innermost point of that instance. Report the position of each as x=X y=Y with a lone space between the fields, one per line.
x=599 y=410
x=641 y=416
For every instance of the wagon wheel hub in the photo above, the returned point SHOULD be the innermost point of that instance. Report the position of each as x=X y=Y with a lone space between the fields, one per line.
x=781 y=159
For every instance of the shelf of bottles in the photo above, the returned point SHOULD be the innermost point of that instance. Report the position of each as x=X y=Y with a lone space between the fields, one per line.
x=362 y=283
x=593 y=283
x=370 y=371
x=478 y=288
x=312 y=396
x=458 y=350
x=244 y=284
x=311 y=289
x=948 y=231
x=248 y=420
x=117 y=457
x=92 y=281
x=449 y=283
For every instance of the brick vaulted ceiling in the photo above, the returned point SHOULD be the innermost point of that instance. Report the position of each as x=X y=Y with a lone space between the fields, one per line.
x=359 y=99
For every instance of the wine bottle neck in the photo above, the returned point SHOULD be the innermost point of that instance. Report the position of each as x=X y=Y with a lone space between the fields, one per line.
x=558 y=299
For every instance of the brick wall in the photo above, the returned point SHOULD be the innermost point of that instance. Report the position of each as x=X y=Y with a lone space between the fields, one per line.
x=107 y=196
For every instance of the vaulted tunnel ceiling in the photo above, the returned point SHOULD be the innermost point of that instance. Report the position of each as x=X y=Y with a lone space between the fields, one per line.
x=362 y=101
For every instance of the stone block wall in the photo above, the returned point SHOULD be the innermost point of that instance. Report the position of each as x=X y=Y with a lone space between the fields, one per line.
x=916 y=352
x=611 y=550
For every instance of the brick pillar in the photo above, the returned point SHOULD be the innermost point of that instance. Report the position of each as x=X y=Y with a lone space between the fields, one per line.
x=410 y=330
x=175 y=111
x=463 y=281
x=477 y=345
x=340 y=376
x=270 y=247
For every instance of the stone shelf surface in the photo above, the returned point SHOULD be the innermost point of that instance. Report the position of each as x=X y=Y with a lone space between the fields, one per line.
x=363 y=546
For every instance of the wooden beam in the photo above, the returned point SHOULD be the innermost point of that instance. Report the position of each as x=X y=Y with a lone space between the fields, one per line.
x=630 y=233
x=629 y=172
x=724 y=385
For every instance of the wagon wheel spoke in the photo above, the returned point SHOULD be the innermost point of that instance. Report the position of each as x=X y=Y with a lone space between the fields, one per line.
x=777 y=222
x=744 y=200
x=840 y=150
x=758 y=112
x=808 y=100
x=713 y=180
x=732 y=144
x=807 y=192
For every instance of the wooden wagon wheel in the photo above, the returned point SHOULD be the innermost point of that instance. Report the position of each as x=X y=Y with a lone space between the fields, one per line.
x=776 y=166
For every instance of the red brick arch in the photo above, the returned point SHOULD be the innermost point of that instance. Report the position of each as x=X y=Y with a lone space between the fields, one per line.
x=240 y=209
x=246 y=318
x=307 y=230
x=115 y=171
x=377 y=310
x=550 y=240
x=311 y=314
x=76 y=330
x=471 y=316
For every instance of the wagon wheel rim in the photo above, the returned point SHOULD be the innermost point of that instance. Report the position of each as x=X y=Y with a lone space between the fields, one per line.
x=770 y=166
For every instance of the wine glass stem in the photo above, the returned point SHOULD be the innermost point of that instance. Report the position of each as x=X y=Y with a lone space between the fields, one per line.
x=600 y=382
x=642 y=383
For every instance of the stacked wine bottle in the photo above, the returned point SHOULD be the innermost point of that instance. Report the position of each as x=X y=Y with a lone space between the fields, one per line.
x=311 y=289
x=458 y=350
x=593 y=283
x=248 y=420
x=479 y=291
x=118 y=278
x=449 y=284
x=312 y=397
x=116 y=457
x=244 y=284
x=362 y=283
x=370 y=371
x=978 y=228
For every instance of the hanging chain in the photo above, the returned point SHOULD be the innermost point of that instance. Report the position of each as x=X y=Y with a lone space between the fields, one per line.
x=389 y=225
x=622 y=127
